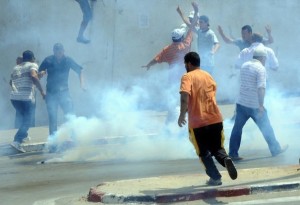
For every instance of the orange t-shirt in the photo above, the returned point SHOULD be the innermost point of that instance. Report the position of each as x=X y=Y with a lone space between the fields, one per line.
x=202 y=106
x=174 y=54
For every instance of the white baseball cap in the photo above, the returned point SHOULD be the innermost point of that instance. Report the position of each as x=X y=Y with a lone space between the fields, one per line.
x=177 y=33
x=260 y=52
x=191 y=15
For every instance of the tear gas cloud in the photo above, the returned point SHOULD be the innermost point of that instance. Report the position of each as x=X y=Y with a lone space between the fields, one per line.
x=126 y=101
x=132 y=132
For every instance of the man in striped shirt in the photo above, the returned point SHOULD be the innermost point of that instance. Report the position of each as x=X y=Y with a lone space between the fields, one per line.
x=250 y=104
x=23 y=81
x=247 y=54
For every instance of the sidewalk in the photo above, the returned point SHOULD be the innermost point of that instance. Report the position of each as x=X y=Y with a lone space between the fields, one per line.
x=180 y=188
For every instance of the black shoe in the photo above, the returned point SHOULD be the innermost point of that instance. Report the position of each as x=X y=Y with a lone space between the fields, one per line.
x=236 y=158
x=283 y=149
x=83 y=40
x=230 y=168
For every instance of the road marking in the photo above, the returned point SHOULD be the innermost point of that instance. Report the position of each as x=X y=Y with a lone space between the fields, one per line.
x=267 y=201
x=46 y=202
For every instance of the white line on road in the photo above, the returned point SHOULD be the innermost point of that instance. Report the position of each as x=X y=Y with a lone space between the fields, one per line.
x=46 y=202
x=268 y=201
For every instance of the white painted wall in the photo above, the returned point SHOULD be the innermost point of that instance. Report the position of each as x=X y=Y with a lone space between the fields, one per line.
x=126 y=34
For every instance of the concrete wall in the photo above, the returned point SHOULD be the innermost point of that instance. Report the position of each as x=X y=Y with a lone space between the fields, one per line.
x=126 y=34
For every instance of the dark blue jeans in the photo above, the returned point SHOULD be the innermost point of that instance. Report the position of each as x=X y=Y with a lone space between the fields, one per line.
x=53 y=100
x=242 y=115
x=19 y=117
x=86 y=10
x=24 y=110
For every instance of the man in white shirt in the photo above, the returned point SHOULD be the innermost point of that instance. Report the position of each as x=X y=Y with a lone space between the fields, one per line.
x=247 y=53
x=208 y=44
x=250 y=104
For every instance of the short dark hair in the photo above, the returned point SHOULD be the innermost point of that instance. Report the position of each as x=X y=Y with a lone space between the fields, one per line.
x=193 y=58
x=248 y=28
x=58 y=47
x=28 y=56
x=256 y=37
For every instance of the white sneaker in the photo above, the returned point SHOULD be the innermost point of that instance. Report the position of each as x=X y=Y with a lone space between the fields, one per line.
x=214 y=182
x=26 y=140
x=18 y=146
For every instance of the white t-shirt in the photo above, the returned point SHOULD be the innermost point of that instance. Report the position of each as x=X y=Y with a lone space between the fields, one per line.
x=247 y=54
x=206 y=41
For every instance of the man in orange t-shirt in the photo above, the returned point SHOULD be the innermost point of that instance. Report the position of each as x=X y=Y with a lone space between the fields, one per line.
x=198 y=99
x=175 y=52
x=173 y=55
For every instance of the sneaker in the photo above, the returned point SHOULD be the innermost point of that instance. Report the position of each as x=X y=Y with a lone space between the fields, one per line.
x=26 y=139
x=230 y=168
x=236 y=158
x=18 y=146
x=83 y=40
x=283 y=149
x=214 y=182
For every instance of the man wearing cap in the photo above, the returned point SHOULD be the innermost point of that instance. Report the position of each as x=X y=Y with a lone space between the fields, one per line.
x=250 y=104
x=208 y=44
x=173 y=55
x=187 y=23
x=57 y=67
x=247 y=54
x=24 y=79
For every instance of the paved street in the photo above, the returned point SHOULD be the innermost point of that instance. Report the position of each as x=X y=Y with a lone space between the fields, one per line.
x=24 y=180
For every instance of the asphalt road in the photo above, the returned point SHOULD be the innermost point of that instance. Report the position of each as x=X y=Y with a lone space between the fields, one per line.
x=25 y=181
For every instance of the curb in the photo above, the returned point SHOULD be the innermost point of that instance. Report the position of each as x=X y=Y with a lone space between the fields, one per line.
x=98 y=196
x=40 y=146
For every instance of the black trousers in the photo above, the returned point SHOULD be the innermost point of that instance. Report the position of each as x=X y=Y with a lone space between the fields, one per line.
x=209 y=141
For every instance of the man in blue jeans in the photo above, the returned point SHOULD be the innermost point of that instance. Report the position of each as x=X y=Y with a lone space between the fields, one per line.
x=87 y=16
x=24 y=81
x=57 y=67
x=250 y=104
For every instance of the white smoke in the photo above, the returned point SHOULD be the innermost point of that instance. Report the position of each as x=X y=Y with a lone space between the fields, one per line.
x=125 y=128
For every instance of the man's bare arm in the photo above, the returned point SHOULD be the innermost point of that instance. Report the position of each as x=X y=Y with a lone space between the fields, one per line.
x=184 y=99
x=184 y=19
x=224 y=37
x=270 y=37
x=36 y=81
